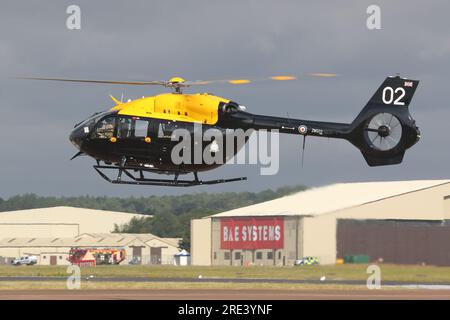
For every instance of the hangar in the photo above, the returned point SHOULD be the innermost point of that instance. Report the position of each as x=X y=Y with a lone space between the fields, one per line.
x=141 y=248
x=59 y=222
x=50 y=233
x=403 y=222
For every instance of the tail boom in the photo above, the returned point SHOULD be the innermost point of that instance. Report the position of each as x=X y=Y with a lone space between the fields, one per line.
x=382 y=131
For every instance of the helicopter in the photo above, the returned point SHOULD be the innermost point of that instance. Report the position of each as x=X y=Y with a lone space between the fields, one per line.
x=134 y=138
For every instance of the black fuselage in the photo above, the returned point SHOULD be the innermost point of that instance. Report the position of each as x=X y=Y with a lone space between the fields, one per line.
x=144 y=141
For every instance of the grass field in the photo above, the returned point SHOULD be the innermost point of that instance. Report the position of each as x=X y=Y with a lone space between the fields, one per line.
x=333 y=272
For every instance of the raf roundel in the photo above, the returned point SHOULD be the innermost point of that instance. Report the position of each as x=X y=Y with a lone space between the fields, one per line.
x=302 y=129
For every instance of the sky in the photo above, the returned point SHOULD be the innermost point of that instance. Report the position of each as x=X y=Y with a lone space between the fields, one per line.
x=210 y=39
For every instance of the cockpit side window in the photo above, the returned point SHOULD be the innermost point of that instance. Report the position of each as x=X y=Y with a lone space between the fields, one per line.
x=120 y=127
x=105 y=128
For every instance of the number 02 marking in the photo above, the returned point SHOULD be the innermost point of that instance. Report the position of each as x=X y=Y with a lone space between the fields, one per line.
x=389 y=94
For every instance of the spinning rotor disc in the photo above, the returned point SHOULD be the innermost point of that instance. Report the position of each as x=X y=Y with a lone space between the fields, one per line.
x=177 y=83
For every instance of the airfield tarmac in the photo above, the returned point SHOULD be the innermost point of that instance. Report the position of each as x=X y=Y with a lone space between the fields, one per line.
x=221 y=294
x=346 y=282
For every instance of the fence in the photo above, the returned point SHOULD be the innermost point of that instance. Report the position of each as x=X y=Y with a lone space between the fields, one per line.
x=154 y=260
x=6 y=260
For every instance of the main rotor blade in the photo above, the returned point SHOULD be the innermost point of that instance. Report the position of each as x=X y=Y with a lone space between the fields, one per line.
x=237 y=81
x=250 y=80
x=183 y=83
x=325 y=75
x=138 y=83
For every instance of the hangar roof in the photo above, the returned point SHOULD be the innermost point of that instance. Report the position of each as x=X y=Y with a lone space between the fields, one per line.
x=321 y=200
x=87 y=240
x=144 y=237
x=62 y=242
x=59 y=213
x=54 y=221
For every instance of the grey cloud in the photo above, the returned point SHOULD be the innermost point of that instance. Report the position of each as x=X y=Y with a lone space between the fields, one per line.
x=210 y=40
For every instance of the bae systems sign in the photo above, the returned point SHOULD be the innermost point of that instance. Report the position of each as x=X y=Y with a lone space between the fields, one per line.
x=251 y=233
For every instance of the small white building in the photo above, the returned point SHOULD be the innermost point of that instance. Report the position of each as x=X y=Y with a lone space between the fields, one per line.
x=182 y=258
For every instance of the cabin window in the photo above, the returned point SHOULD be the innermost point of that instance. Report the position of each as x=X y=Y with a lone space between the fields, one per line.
x=141 y=128
x=124 y=128
x=258 y=255
x=165 y=130
x=105 y=128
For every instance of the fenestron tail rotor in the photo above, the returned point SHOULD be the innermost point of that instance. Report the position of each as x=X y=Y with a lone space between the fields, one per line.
x=384 y=131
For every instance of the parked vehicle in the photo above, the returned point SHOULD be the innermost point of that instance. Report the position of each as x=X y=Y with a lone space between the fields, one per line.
x=135 y=260
x=25 y=260
x=306 y=261
x=93 y=257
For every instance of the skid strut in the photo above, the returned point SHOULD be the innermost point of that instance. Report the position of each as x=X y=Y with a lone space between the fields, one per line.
x=139 y=178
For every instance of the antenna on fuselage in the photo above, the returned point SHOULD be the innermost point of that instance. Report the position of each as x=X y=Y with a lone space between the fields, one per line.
x=303 y=149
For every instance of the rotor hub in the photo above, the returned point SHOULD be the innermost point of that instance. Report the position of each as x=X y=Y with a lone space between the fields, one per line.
x=384 y=131
x=176 y=80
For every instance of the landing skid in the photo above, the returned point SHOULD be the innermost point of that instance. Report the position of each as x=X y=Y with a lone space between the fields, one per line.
x=136 y=176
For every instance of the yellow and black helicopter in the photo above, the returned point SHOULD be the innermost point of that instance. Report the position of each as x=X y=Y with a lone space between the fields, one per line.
x=135 y=137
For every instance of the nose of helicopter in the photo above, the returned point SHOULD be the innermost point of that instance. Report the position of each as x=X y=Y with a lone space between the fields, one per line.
x=77 y=137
